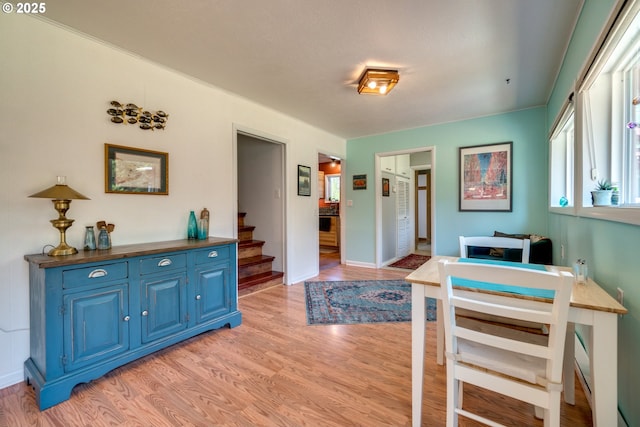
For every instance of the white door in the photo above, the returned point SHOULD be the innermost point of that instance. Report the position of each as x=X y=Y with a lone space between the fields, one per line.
x=403 y=247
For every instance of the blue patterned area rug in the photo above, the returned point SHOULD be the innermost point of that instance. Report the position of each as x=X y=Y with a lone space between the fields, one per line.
x=361 y=301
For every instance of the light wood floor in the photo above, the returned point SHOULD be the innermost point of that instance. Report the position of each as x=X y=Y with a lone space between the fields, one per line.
x=274 y=370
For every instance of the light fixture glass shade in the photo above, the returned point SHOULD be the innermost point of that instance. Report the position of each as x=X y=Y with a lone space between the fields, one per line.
x=61 y=195
x=378 y=82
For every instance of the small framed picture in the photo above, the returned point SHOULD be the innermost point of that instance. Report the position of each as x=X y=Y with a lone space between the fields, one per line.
x=385 y=187
x=135 y=171
x=359 y=182
x=304 y=180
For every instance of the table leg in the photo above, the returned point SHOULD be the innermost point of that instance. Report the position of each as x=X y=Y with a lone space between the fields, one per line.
x=568 y=366
x=418 y=329
x=439 y=333
x=603 y=360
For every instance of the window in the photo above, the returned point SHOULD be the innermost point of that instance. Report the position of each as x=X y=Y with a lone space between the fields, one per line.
x=607 y=128
x=630 y=158
x=332 y=188
x=561 y=161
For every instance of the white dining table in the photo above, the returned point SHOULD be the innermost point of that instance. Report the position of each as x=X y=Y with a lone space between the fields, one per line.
x=590 y=305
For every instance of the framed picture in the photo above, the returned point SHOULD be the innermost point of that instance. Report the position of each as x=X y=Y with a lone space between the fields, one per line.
x=135 y=171
x=385 y=187
x=486 y=182
x=359 y=182
x=304 y=180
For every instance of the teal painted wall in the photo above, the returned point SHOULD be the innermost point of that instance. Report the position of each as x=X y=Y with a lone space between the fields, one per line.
x=610 y=248
x=526 y=129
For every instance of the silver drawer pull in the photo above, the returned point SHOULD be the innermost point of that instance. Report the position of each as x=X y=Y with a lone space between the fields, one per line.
x=126 y=318
x=99 y=272
x=164 y=262
x=198 y=297
x=145 y=313
x=213 y=254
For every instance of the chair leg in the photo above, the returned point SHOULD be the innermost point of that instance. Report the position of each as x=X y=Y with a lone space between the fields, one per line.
x=552 y=415
x=452 y=395
x=539 y=412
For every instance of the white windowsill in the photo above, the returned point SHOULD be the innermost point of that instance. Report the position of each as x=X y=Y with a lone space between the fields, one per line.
x=627 y=215
x=624 y=214
x=567 y=210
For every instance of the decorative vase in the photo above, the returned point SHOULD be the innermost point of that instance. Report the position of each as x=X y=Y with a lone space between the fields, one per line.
x=192 y=228
x=89 y=238
x=601 y=197
x=615 y=197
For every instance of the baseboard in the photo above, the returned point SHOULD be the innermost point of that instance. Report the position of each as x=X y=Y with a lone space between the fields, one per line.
x=11 y=379
x=360 y=264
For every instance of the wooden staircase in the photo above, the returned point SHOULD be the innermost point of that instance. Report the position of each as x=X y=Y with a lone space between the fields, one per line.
x=254 y=269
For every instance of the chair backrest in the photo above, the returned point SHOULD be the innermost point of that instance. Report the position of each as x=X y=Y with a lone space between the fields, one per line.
x=495 y=242
x=458 y=277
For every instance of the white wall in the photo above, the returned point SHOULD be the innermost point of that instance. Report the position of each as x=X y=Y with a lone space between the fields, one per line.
x=55 y=88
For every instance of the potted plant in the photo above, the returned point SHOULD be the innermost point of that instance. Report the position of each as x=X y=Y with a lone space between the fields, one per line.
x=601 y=196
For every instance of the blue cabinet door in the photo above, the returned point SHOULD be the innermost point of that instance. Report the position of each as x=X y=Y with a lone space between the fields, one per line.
x=95 y=325
x=213 y=296
x=164 y=306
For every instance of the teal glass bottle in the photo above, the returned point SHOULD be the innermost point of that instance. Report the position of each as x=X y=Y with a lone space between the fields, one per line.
x=192 y=228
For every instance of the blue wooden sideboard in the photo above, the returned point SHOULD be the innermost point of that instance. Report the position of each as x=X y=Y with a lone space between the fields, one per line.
x=96 y=310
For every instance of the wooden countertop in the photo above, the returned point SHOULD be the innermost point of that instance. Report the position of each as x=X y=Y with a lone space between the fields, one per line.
x=589 y=295
x=124 y=251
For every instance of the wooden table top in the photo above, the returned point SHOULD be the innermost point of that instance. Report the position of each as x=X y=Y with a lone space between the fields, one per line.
x=124 y=251
x=590 y=295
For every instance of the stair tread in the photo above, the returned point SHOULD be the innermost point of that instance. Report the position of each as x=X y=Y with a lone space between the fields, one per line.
x=259 y=278
x=258 y=259
x=246 y=227
x=246 y=243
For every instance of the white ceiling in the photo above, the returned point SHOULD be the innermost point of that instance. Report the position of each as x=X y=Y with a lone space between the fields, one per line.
x=304 y=57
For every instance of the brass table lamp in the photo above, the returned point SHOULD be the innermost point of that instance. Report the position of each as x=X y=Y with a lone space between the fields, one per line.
x=61 y=195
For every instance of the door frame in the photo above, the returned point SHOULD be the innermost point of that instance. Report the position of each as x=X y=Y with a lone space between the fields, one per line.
x=416 y=172
x=343 y=202
x=283 y=199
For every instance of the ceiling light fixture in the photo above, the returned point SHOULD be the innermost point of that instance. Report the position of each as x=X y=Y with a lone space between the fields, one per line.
x=378 y=82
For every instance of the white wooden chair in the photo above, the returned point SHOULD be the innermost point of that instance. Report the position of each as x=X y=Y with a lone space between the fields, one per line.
x=499 y=359
x=499 y=243
x=537 y=328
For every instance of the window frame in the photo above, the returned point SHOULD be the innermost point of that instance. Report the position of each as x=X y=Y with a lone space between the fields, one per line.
x=585 y=151
x=567 y=115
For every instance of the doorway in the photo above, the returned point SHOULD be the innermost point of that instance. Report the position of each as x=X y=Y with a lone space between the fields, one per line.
x=329 y=198
x=423 y=211
x=396 y=233
x=263 y=200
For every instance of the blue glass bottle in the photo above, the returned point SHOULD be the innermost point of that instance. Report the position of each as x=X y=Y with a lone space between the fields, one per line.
x=192 y=228
x=89 y=239
x=104 y=240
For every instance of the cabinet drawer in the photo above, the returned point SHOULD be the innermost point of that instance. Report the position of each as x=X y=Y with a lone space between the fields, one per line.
x=97 y=274
x=217 y=253
x=162 y=263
